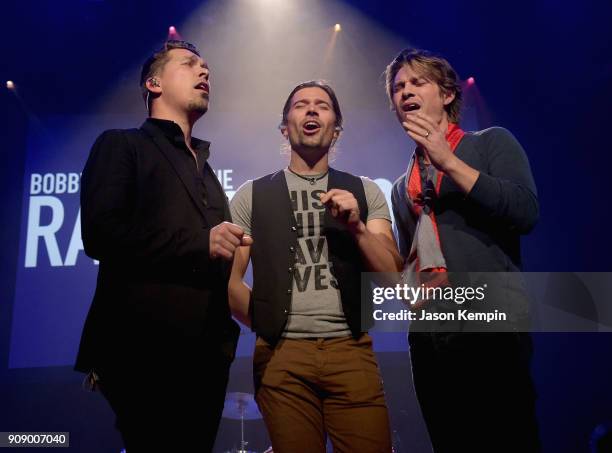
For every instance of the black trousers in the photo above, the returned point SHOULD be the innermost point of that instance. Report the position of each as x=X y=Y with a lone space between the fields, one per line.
x=475 y=391
x=170 y=405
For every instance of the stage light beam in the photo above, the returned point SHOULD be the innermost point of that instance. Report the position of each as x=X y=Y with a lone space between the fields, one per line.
x=337 y=27
x=471 y=81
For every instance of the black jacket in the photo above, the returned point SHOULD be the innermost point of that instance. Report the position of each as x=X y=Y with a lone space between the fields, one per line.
x=143 y=216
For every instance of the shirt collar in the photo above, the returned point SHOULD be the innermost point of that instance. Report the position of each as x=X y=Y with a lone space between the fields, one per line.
x=174 y=134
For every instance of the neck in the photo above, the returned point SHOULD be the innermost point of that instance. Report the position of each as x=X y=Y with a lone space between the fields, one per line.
x=183 y=119
x=317 y=164
x=444 y=123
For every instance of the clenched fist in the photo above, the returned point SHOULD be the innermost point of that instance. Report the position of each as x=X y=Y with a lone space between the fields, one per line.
x=343 y=205
x=225 y=238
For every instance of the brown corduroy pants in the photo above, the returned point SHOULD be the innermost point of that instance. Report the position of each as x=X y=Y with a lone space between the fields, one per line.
x=309 y=388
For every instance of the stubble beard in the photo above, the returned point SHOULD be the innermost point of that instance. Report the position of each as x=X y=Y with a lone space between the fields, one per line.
x=198 y=106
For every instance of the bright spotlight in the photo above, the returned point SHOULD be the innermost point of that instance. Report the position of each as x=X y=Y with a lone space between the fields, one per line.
x=471 y=81
x=337 y=27
x=10 y=85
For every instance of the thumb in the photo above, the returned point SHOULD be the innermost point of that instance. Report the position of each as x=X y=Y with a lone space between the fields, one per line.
x=246 y=240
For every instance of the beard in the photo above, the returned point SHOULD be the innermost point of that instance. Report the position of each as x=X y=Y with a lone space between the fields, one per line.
x=317 y=141
x=198 y=105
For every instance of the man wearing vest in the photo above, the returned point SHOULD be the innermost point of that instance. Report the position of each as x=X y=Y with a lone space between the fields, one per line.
x=314 y=230
x=462 y=206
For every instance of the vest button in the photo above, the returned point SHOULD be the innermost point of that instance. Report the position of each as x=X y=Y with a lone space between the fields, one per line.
x=289 y=291
x=292 y=249
x=293 y=228
x=286 y=311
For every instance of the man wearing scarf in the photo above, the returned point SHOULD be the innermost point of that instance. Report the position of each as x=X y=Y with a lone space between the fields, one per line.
x=461 y=206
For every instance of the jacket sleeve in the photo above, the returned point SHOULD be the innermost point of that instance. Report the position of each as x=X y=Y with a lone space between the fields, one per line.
x=506 y=191
x=109 y=227
x=398 y=227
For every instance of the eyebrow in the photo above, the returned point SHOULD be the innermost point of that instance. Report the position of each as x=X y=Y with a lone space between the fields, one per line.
x=316 y=101
x=194 y=58
x=414 y=78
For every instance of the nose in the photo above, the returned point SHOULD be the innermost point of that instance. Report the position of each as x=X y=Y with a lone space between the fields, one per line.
x=406 y=94
x=312 y=110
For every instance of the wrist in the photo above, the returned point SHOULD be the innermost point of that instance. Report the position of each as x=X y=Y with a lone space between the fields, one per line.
x=450 y=164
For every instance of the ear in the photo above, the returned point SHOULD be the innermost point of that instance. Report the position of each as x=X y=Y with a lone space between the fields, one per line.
x=448 y=97
x=153 y=84
x=283 y=129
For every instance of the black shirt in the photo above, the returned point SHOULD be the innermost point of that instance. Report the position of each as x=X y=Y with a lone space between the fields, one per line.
x=210 y=195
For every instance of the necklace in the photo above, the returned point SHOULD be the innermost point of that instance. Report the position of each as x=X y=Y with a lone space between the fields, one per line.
x=311 y=179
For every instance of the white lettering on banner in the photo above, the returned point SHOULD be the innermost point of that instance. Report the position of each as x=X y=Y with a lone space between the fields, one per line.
x=54 y=183
x=35 y=230
x=225 y=178
x=69 y=183
x=76 y=243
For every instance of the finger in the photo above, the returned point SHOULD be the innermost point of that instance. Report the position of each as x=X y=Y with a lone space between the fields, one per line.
x=416 y=129
x=246 y=240
x=424 y=121
x=223 y=244
x=346 y=198
x=428 y=121
x=416 y=123
x=233 y=229
x=343 y=197
x=225 y=254
x=220 y=252
x=344 y=208
x=346 y=205
x=231 y=238
x=329 y=203
x=329 y=194
x=418 y=138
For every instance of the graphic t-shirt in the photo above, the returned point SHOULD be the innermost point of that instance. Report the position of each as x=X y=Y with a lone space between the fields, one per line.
x=316 y=307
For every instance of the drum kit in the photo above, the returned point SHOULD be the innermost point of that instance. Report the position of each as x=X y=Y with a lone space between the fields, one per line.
x=242 y=406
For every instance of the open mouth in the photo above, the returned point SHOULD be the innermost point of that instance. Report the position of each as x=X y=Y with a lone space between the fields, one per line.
x=410 y=107
x=202 y=86
x=311 y=127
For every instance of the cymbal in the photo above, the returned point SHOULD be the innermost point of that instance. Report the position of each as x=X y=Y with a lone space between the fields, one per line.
x=241 y=405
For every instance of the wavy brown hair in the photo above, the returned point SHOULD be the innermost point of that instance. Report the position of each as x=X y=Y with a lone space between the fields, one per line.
x=434 y=68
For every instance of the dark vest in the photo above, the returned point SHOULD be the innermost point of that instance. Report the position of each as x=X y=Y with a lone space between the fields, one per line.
x=275 y=238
